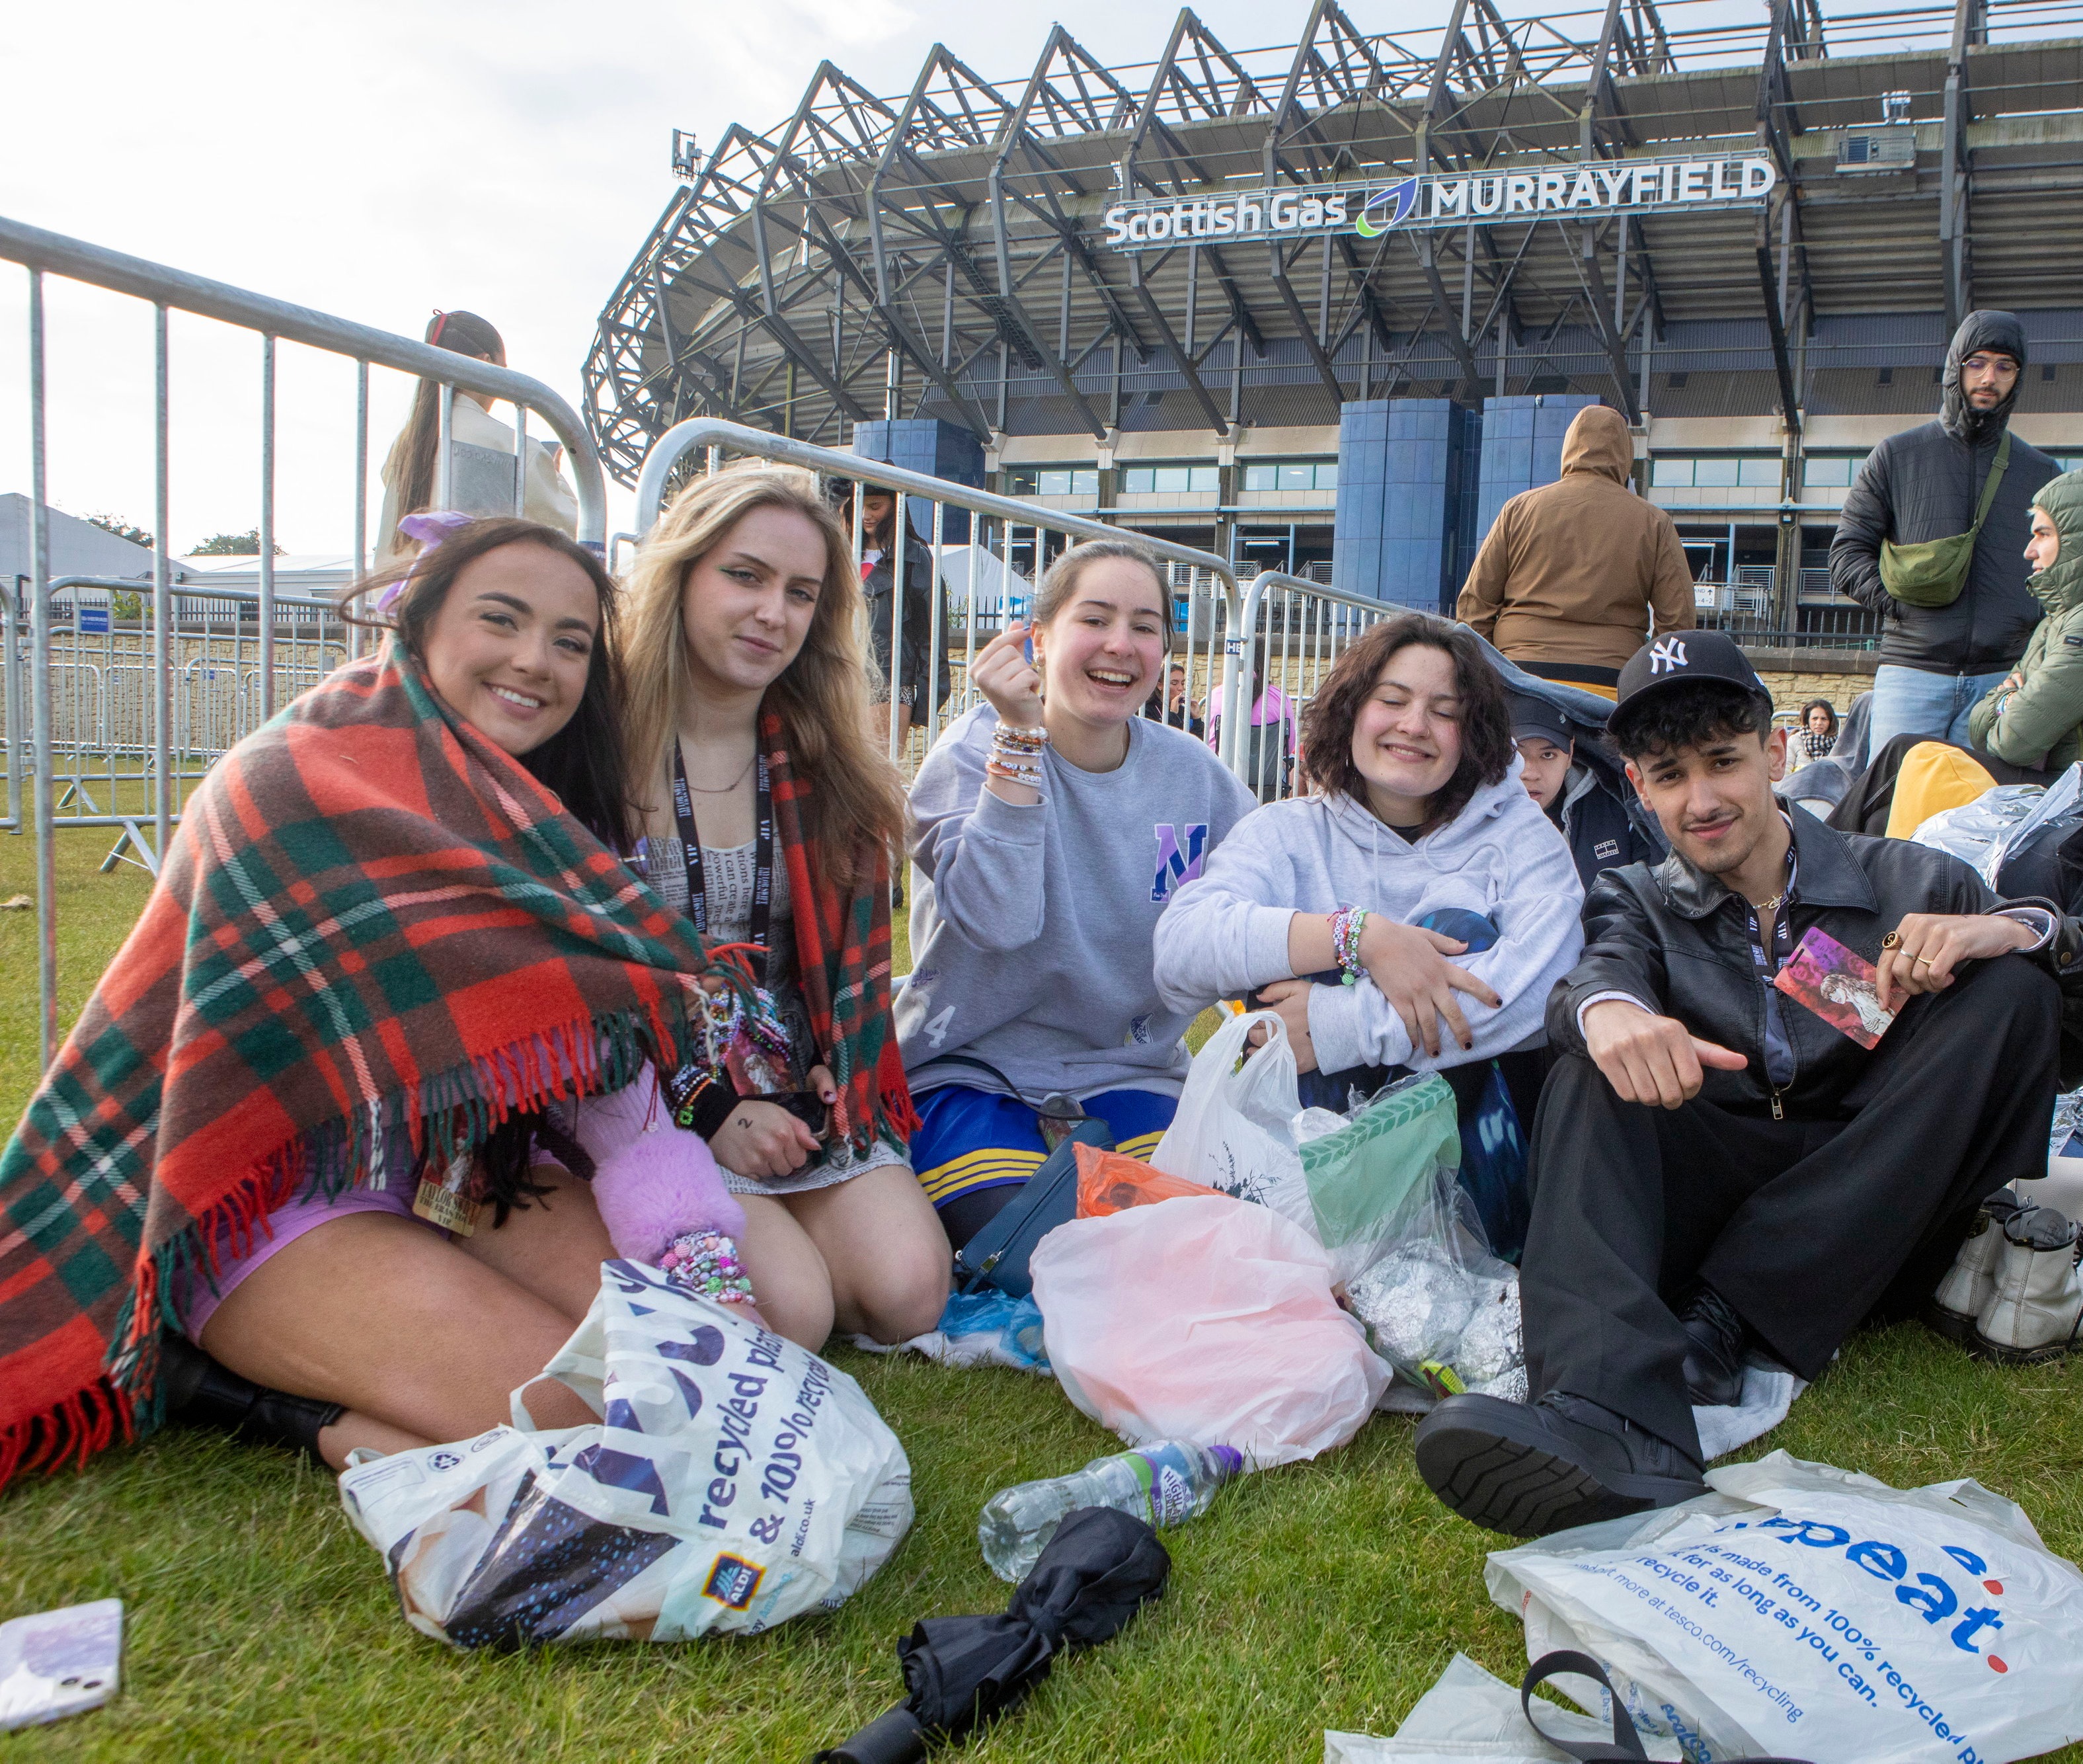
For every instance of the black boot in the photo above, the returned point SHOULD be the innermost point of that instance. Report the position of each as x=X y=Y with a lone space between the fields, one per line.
x=1528 y=1470
x=200 y=1393
x=1715 y=1338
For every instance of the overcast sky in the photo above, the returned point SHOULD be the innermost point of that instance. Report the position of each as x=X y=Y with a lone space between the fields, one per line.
x=378 y=160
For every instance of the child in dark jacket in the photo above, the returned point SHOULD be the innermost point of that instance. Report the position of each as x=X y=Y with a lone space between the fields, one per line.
x=1584 y=796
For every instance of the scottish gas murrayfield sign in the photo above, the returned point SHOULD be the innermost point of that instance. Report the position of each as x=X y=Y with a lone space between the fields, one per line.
x=1441 y=199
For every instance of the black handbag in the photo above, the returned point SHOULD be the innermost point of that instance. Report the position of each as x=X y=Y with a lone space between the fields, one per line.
x=997 y=1256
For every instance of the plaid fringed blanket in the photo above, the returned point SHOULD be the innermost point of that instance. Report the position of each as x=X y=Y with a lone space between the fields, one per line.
x=371 y=922
x=842 y=955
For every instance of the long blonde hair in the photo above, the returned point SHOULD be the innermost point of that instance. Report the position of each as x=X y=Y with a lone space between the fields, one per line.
x=855 y=799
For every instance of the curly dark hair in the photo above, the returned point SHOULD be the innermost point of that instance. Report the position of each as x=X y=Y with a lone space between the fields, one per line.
x=1690 y=715
x=1486 y=743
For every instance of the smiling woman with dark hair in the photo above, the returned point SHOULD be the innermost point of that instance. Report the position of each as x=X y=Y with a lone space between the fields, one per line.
x=1413 y=912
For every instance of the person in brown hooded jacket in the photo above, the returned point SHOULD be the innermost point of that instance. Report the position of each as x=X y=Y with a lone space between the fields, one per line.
x=1569 y=572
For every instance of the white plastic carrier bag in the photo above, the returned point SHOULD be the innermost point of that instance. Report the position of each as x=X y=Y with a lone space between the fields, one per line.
x=1351 y=1189
x=733 y=1480
x=1802 y=1611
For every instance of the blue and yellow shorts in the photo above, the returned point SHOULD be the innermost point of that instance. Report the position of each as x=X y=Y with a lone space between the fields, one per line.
x=970 y=1140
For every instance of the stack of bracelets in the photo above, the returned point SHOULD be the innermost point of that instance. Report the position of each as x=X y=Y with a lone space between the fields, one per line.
x=1347 y=924
x=1015 y=754
x=705 y=1263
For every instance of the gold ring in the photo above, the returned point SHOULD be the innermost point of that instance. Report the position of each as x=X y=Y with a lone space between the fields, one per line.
x=1892 y=941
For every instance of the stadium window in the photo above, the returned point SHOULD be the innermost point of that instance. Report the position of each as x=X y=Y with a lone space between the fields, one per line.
x=1291 y=475
x=1170 y=481
x=1671 y=474
x=1761 y=473
x=1052 y=481
x=1827 y=473
x=1713 y=474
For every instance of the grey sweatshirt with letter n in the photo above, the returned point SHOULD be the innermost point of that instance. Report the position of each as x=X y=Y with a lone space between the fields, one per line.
x=1032 y=927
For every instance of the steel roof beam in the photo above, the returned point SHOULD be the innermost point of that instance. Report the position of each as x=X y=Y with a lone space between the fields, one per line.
x=1422 y=243
x=1325 y=371
x=1202 y=396
x=1970 y=26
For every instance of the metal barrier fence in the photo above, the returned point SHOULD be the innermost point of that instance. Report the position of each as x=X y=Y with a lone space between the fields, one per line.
x=137 y=715
x=1207 y=603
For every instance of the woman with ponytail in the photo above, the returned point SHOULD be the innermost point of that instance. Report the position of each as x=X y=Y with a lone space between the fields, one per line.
x=480 y=484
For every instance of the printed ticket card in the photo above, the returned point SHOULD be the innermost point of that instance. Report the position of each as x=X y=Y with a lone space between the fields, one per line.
x=1840 y=985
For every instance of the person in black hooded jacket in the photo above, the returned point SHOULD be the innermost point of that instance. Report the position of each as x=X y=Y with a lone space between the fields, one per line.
x=1584 y=793
x=1937 y=662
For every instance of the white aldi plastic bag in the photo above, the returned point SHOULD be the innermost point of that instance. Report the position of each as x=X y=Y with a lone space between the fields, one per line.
x=733 y=1481
x=1801 y=1611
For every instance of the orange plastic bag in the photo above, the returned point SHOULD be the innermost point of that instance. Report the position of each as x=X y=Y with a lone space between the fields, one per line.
x=1107 y=1182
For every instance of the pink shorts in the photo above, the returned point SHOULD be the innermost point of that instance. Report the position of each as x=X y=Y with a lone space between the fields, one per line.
x=201 y=1296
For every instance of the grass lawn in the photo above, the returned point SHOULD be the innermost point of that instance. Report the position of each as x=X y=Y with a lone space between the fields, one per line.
x=1328 y=1594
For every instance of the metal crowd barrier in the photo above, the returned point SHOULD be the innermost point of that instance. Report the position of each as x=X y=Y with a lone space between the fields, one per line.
x=1207 y=601
x=135 y=712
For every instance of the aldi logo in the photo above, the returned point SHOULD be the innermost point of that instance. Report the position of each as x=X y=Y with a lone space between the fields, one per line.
x=733 y=1581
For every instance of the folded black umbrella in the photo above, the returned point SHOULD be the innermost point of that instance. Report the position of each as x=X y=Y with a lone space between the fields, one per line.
x=1096 y=1574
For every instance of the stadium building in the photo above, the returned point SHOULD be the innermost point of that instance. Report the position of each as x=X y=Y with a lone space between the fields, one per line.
x=1324 y=306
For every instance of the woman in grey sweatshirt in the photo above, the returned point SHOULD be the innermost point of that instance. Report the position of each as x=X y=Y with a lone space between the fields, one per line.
x=1470 y=896
x=1052 y=824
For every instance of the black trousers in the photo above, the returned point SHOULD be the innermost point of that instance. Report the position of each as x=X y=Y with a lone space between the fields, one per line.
x=1805 y=1227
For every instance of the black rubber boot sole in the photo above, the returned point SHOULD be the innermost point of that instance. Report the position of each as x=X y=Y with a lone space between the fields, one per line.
x=1951 y=1324
x=1507 y=1472
x=1983 y=1348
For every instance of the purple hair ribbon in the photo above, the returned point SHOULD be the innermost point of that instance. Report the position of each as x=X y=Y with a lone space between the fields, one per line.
x=429 y=529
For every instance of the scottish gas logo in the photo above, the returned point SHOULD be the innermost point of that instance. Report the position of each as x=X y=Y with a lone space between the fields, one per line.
x=1558 y=191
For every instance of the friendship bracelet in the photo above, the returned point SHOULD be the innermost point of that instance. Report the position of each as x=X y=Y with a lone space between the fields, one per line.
x=1347 y=922
x=1029 y=775
x=705 y=1263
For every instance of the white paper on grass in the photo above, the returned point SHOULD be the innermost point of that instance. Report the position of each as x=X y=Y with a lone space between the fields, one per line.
x=733 y=1481
x=1804 y=1611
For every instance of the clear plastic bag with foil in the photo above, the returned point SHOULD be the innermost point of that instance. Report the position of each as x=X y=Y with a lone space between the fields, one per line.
x=732 y=1480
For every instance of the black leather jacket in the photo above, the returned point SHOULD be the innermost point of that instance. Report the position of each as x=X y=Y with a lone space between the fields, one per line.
x=1679 y=942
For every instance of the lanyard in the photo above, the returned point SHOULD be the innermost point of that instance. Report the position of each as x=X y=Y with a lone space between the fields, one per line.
x=762 y=855
x=1766 y=944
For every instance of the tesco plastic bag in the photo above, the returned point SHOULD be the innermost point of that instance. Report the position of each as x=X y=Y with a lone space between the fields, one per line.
x=1202 y=1320
x=733 y=1481
x=1241 y=1128
x=1804 y=1611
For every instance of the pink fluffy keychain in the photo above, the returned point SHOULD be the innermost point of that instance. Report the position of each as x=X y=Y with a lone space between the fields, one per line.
x=661 y=1197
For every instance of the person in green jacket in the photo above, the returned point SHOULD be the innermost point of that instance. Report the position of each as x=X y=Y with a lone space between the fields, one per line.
x=2035 y=716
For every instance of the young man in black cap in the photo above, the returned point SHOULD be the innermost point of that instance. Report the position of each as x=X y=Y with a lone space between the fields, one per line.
x=1717 y=1165
x=1583 y=795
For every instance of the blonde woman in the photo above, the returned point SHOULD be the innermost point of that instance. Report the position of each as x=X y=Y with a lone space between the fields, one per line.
x=768 y=818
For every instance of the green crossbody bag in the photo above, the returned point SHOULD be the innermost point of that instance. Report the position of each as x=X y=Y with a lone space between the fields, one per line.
x=1932 y=574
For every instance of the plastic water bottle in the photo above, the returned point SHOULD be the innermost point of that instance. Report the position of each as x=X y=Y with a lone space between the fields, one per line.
x=1163 y=1484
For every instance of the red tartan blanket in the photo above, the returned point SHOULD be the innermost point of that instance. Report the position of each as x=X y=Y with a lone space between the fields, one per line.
x=372 y=921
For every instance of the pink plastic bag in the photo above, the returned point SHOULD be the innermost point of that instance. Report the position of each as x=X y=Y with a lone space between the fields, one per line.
x=1200 y=1319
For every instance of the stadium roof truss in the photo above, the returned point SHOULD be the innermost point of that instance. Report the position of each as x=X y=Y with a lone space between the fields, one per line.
x=939 y=253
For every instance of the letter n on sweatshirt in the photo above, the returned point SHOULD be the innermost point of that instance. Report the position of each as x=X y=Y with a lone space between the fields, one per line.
x=1176 y=865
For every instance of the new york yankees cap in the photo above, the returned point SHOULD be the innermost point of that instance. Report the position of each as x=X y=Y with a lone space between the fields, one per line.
x=1681 y=656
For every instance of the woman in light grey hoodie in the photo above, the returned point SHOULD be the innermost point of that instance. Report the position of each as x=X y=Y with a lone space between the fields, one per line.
x=1413 y=912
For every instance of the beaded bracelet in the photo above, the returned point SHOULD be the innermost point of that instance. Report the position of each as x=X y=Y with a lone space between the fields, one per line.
x=705 y=1263
x=1347 y=922
x=1015 y=754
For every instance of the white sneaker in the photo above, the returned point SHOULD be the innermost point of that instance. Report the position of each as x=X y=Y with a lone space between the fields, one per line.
x=1971 y=1281
x=2036 y=1307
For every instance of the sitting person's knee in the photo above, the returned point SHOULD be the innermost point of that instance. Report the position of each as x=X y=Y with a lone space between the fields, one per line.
x=908 y=1297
